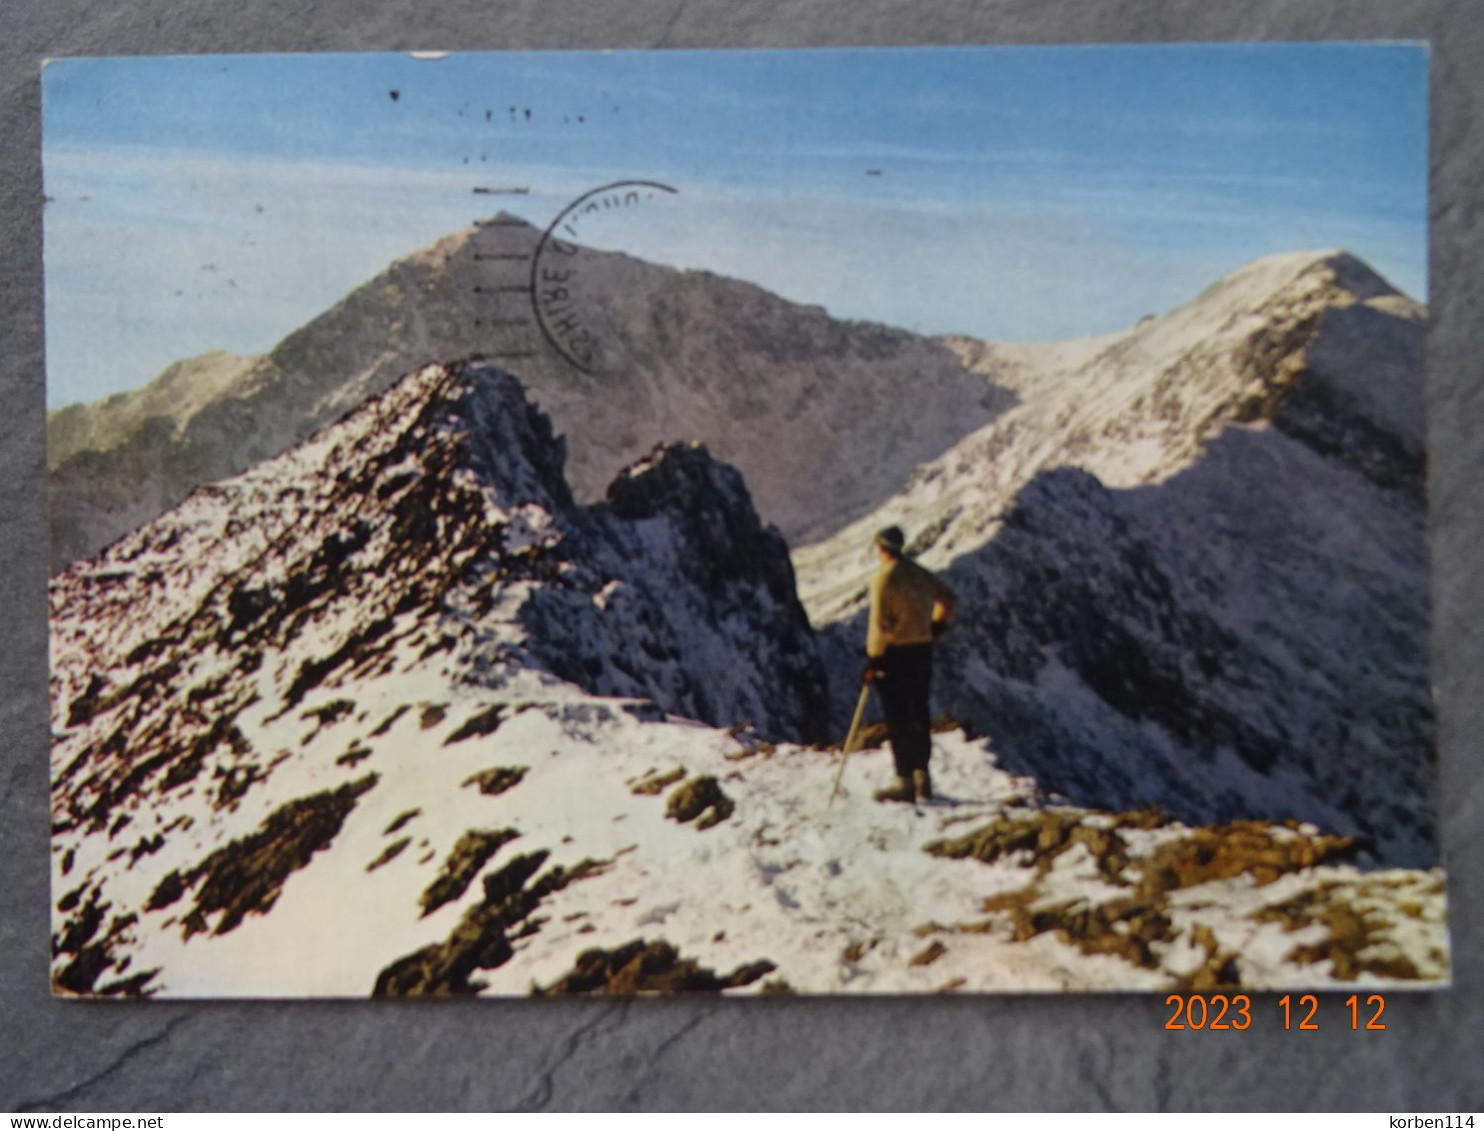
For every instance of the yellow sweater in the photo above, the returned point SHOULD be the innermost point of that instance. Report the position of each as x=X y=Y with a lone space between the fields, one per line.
x=905 y=601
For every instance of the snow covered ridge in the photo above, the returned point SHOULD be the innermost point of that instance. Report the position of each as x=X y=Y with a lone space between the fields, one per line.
x=446 y=493
x=389 y=714
x=429 y=534
x=1192 y=560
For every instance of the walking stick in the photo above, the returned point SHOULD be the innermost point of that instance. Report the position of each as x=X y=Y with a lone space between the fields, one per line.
x=855 y=726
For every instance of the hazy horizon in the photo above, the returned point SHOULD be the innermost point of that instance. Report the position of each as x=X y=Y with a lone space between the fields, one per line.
x=219 y=202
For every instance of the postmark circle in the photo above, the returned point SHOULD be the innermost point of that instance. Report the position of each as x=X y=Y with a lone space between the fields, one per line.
x=555 y=267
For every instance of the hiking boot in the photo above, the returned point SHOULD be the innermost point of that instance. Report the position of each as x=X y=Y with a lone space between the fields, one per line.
x=922 y=783
x=899 y=790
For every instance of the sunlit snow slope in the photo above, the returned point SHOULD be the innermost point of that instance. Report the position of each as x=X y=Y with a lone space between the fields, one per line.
x=390 y=714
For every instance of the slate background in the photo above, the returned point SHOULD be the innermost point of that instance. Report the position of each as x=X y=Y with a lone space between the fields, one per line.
x=1085 y=1052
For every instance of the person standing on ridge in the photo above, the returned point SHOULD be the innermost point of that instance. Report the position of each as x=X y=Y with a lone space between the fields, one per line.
x=910 y=608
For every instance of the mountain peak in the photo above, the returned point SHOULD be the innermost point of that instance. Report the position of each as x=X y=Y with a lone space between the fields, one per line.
x=1353 y=274
x=681 y=355
x=436 y=513
x=1333 y=276
x=677 y=475
x=514 y=234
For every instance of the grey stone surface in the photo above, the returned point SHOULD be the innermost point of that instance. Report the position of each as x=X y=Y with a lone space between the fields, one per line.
x=1016 y=1052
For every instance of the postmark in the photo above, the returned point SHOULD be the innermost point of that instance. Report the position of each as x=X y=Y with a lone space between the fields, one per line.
x=558 y=271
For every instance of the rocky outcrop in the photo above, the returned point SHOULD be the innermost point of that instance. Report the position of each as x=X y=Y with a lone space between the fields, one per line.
x=482 y=939
x=417 y=515
x=714 y=584
x=430 y=532
x=640 y=967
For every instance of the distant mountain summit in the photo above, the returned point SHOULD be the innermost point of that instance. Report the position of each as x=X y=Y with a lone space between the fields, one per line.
x=1192 y=559
x=823 y=417
x=165 y=406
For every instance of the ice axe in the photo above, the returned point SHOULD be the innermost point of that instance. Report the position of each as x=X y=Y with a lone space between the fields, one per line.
x=855 y=727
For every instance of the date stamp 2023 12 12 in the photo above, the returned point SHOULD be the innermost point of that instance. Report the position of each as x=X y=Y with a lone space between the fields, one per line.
x=1235 y=1012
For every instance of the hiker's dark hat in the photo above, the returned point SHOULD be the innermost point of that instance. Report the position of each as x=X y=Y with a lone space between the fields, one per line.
x=891 y=539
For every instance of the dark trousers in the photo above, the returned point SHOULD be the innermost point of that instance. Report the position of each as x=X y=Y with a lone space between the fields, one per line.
x=905 y=683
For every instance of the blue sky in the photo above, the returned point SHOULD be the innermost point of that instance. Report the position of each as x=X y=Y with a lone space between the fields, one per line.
x=1022 y=193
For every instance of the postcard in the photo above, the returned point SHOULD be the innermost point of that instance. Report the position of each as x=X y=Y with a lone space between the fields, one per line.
x=749 y=522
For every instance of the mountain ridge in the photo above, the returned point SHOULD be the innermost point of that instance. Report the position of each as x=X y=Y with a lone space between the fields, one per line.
x=1231 y=498
x=1136 y=405
x=685 y=357
x=311 y=739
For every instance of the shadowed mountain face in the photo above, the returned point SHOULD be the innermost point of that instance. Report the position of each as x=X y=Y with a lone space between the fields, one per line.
x=1191 y=561
x=1220 y=643
x=816 y=412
